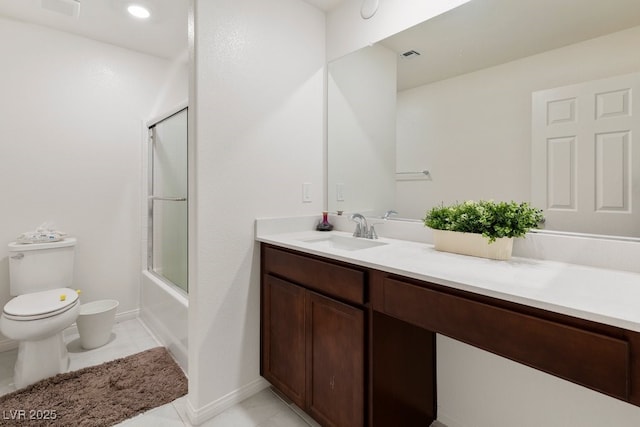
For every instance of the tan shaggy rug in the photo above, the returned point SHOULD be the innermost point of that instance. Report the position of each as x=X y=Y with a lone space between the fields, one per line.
x=101 y=395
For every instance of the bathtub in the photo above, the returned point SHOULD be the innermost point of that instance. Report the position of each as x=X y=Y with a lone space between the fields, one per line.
x=163 y=310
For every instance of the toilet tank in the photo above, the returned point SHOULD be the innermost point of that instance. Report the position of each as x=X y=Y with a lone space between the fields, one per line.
x=40 y=266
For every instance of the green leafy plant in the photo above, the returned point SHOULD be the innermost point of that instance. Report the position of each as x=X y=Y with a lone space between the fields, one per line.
x=491 y=219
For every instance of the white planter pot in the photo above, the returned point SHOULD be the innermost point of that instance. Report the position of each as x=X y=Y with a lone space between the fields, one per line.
x=472 y=244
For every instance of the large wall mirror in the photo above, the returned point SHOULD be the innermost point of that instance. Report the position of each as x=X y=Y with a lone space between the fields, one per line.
x=460 y=108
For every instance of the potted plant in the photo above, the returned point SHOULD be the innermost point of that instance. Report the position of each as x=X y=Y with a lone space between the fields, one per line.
x=483 y=228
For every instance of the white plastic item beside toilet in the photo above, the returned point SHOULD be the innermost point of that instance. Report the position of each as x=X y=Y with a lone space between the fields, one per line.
x=95 y=322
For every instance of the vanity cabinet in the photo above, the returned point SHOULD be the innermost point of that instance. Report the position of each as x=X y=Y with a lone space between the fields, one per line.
x=354 y=345
x=313 y=334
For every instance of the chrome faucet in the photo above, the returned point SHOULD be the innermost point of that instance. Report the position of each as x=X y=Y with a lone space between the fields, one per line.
x=387 y=214
x=362 y=228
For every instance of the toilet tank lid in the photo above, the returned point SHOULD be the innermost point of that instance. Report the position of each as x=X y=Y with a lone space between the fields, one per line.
x=20 y=247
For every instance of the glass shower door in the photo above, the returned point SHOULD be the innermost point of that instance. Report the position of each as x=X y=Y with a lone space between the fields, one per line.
x=167 y=252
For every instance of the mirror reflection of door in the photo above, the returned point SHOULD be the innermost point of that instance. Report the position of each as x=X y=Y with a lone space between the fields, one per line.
x=583 y=155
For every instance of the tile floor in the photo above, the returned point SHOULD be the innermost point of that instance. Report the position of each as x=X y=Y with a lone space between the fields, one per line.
x=263 y=409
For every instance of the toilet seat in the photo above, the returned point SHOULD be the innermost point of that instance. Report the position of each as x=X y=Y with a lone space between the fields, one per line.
x=40 y=305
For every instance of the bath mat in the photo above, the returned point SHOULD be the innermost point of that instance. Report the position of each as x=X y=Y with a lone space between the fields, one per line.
x=97 y=396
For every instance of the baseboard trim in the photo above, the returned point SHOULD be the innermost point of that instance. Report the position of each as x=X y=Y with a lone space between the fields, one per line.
x=7 y=344
x=178 y=351
x=445 y=420
x=210 y=410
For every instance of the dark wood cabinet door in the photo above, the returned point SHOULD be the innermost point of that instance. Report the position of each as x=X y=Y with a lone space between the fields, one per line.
x=283 y=337
x=335 y=362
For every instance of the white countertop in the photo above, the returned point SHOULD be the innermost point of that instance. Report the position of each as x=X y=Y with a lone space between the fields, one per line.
x=606 y=296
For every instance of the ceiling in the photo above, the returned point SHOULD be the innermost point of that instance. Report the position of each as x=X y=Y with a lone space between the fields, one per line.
x=163 y=35
x=476 y=35
x=485 y=33
x=325 y=5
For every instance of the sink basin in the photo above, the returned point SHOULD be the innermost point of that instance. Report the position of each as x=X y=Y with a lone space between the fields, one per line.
x=344 y=243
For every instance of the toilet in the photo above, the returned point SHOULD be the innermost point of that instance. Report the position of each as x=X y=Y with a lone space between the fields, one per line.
x=40 y=276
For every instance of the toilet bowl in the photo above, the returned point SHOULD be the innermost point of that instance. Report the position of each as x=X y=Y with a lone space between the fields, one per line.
x=37 y=320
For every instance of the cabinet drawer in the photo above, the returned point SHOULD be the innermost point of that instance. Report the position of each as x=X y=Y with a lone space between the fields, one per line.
x=591 y=359
x=332 y=279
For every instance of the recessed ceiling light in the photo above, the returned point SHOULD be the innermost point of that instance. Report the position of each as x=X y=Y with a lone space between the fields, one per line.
x=139 y=11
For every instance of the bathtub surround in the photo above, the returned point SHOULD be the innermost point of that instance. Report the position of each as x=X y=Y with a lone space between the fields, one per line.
x=167 y=198
x=163 y=305
x=164 y=310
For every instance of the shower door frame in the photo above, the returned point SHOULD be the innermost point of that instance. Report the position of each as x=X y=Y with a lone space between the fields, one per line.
x=150 y=198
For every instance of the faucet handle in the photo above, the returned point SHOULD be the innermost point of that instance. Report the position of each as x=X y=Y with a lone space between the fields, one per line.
x=358 y=231
x=372 y=232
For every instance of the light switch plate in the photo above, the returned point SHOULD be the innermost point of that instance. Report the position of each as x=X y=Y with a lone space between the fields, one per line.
x=340 y=192
x=306 y=192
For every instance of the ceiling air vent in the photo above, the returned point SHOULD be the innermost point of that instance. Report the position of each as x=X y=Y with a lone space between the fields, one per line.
x=410 y=54
x=69 y=8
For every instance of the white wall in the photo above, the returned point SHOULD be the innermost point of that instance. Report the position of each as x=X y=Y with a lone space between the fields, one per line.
x=361 y=122
x=479 y=389
x=473 y=132
x=175 y=87
x=70 y=150
x=257 y=89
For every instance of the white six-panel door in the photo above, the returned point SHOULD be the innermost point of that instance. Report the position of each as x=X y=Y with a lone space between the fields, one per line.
x=585 y=161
